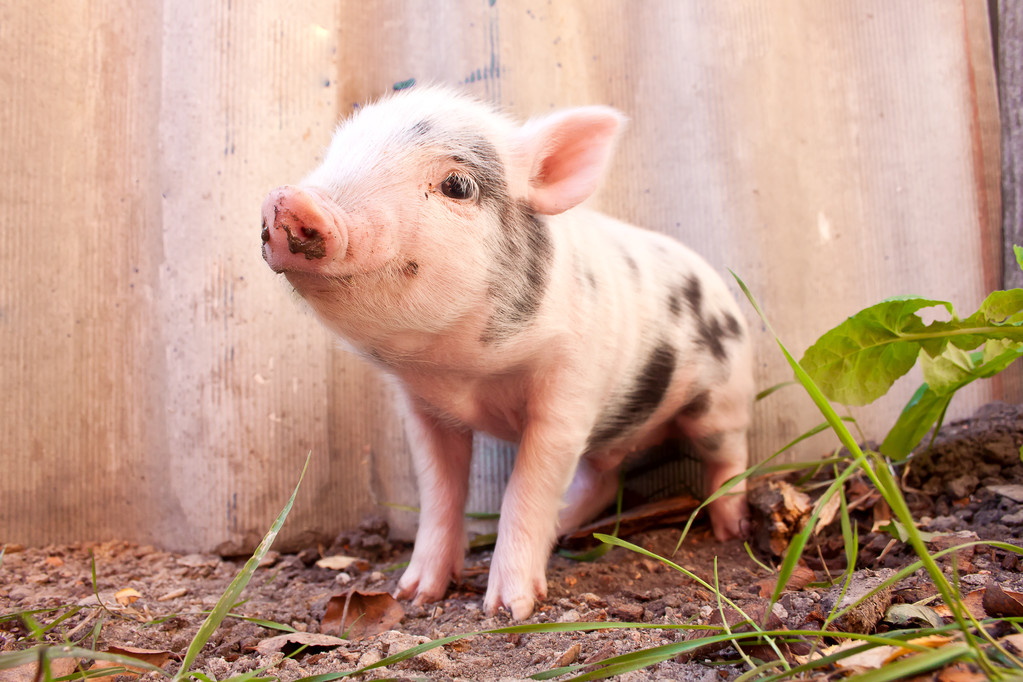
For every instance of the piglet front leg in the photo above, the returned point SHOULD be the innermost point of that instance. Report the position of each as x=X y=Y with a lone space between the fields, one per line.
x=441 y=454
x=526 y=532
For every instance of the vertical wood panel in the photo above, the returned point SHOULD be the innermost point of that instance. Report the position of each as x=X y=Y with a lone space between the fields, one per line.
x=81 y=371
x=248 y=102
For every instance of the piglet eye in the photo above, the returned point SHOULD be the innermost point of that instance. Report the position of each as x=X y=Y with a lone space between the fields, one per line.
x=457 y=186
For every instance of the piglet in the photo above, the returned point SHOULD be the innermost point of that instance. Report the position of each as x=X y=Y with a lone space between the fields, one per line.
x=444 y=243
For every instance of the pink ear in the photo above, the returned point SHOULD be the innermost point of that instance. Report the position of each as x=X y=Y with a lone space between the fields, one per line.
x=569 y=152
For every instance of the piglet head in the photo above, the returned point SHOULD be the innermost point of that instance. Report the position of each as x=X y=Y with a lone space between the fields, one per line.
x=428 y=213
x=302 y=230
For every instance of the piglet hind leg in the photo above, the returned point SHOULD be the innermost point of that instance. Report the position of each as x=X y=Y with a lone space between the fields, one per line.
x=729 y=514
x=592 y=490
x=441 y=455
x=717 y=425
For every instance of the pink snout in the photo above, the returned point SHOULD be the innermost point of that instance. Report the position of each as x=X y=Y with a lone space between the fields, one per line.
x=301 y=230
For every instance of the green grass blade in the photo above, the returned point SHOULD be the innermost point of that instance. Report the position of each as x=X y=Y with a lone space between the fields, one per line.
x=268 y=624
x=234 y=590
x=772 y=389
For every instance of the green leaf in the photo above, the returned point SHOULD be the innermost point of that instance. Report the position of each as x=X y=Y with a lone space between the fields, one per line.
x=1000 y=316
x=1003 y=307
x=918 y=416
x=927 y=406
x=1019 y=256
x=947 y=371
x=857 y=362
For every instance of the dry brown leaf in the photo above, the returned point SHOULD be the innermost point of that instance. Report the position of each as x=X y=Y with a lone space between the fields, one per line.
x=882 y=513
x=272 y=645
x=1001 y=604
x=973 y=601
x=800 y=578
x=59 y=667
x=127 y=596
x=871 y=659
x=828 y=513
x=987 y=602
x=930 y=641
x=157 y=657
x=356 y=614
x=343 y=563
x=797 y=503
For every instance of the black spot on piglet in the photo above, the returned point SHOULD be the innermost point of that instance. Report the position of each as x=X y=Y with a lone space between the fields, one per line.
x=693 y=294
x=642 y=400
x=674 y=304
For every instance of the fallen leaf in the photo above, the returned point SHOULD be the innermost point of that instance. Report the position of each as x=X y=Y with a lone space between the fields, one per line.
x=903 y=615
x=294 y=640
x=356 y=614
x=800 y=578
x=829 y=510
x=871 y=659
x=157 y=657
x=343 y=563
x=59 y=667
x=982 y=605
x=973 y=601
x=127 y=596
x=1001 y=604
x=930 y=641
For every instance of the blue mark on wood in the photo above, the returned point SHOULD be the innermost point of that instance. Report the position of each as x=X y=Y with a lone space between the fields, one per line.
x=405 y=84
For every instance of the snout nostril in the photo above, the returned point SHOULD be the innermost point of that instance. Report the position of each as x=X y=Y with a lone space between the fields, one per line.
x=265 y=234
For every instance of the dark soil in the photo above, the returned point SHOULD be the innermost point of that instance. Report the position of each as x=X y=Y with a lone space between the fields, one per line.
x=963 y=488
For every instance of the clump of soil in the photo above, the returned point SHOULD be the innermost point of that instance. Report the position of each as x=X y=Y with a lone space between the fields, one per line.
x=967 y=486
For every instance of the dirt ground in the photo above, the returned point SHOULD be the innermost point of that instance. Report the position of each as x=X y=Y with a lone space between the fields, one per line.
x=969 y=486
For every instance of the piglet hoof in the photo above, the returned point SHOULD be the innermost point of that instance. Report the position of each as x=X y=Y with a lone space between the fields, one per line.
x=518 y=596
x=729 y=517
x=425 y=584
